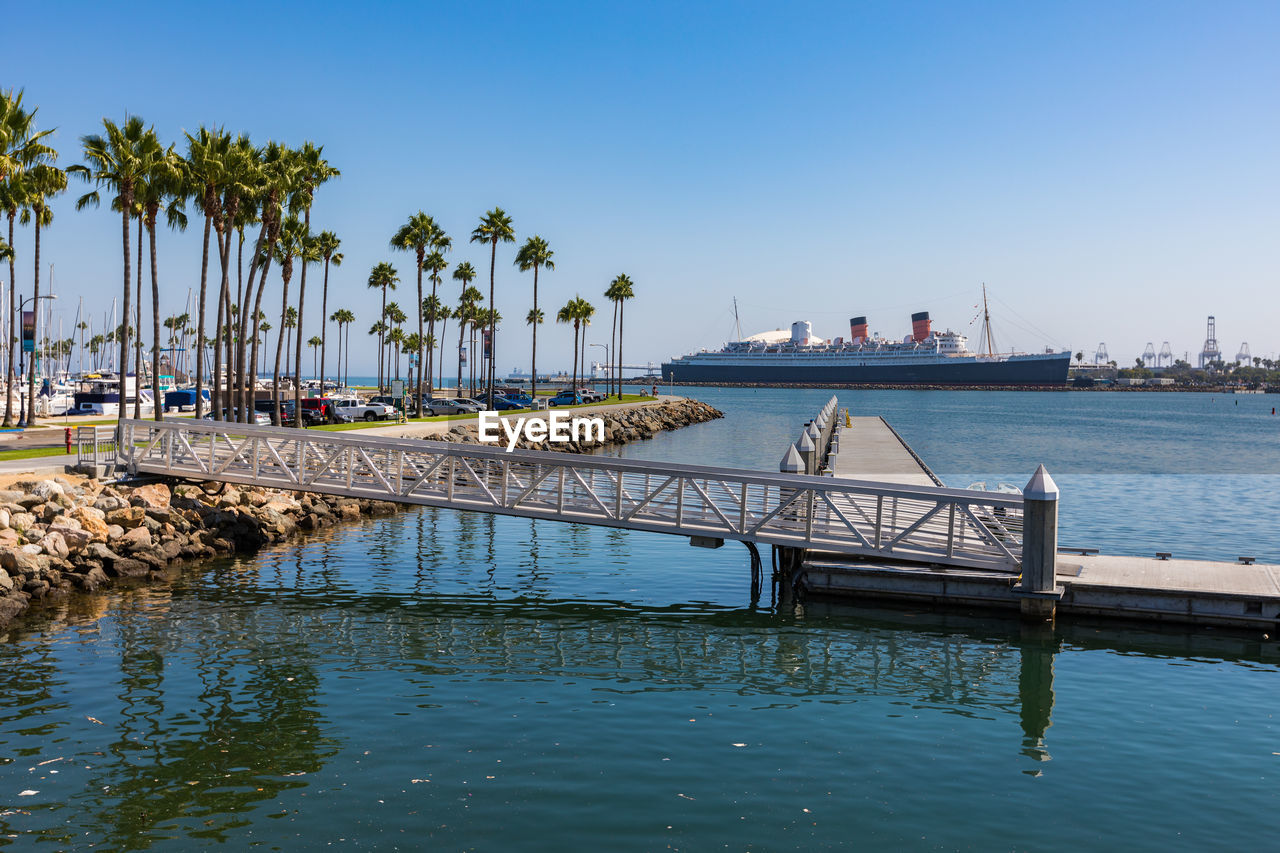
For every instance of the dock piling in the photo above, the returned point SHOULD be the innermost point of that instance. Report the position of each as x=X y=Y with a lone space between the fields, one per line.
x=1039 y=590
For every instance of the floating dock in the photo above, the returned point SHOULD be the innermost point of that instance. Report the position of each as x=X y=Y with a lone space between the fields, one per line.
x=1159 y=588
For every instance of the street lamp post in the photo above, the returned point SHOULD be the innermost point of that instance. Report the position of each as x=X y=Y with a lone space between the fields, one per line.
x=608 y=364
x=23 y=423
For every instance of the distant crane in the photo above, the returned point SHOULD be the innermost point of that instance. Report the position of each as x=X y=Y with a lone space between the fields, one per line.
x=1210 y=352
x=1244 y=356
x=1149 y=355
x=1101 y=356
x=1165 y=359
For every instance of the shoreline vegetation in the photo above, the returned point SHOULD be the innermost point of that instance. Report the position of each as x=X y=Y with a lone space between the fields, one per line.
x=70 y=534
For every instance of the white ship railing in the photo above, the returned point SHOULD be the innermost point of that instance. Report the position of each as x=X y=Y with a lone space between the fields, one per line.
x=954 y=527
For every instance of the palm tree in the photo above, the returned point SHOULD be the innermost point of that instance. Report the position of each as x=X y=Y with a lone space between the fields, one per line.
x=327 y=244
x=204 y=169
x=315 y=342
x=382 y=276
x=583 y=311
x=119 y=160
x=435 y=264
x=568 y=314
x=494 y=226
x=620 y=290
x=533 y=254
x=312 y=171
x=433 y=310
x=293 y=238
x=378 y=329
x=290 y=323
x=444 y=313
x=43 y=181
x=417 y=235
x=165 y=186
x=534 y=318
x=20 y=149
x=464 y=273
x=394 y=315
x=309 y=254
x=344 y=318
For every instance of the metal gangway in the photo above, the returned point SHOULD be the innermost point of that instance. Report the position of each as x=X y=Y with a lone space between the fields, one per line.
x=948 y=527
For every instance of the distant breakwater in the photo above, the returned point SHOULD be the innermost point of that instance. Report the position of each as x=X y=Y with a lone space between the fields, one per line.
x=65 y=535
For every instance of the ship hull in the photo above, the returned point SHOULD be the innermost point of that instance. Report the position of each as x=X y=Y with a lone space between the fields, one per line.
x=1034 y=370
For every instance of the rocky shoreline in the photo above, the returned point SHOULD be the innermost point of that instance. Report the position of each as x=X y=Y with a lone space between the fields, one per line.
x=70 y=534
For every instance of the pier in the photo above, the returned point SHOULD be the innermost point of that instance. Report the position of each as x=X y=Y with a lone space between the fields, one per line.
x=853 y=513
x=1070 y=581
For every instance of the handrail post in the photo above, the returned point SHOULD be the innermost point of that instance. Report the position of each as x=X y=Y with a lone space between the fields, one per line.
x=1039 y=590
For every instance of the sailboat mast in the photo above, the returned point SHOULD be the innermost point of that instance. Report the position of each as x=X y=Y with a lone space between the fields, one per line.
x=986 y=323
x=737 y=323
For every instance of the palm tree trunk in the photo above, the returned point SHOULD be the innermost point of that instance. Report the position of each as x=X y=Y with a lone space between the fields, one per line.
x=622 y=309
x=493 y=317
x=324 y=322
x=421 y=340
x=431 y=333
x=126 y=202
x=280 y=338
x=573 y=377
x=533 y=367
x=613 y=348
x=12 y=376
x=258 y=269
x=462 y=327
x=444 y=327
x=158 y=408
x=204 y=277
x=297 y=351
x=35 y=320
x=381 y=336
x=346 y=348
x=137 y=347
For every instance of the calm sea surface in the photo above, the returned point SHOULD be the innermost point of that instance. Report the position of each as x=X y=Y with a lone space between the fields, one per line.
x=472 y=682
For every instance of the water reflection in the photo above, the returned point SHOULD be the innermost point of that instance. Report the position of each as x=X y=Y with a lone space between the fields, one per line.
x=211 y=715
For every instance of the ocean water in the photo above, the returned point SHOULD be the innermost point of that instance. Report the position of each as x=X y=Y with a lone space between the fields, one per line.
x=475 y=682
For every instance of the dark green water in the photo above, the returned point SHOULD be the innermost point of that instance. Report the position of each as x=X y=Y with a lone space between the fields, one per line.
x=469 y=682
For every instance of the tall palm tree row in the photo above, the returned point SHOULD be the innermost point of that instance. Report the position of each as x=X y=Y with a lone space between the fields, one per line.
x=291 y=245
x=435 y=264
x=43 y=181
x=495 y=227
x=533 y=254
x=344 y=318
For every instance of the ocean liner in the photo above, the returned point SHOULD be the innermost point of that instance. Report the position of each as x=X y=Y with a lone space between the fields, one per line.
x=924 y=357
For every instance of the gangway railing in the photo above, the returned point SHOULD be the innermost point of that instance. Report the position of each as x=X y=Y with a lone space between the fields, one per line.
x=941 y=526
x=95 y=445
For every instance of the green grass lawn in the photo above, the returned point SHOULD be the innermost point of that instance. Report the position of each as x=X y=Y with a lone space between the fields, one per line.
x=37 y=453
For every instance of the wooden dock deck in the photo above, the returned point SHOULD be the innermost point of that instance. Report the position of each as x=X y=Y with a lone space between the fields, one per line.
x=1195 y=592
x=870 y=449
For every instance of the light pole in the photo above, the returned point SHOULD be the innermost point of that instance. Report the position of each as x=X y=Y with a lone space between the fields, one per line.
x=23 y=423
x=608 y=364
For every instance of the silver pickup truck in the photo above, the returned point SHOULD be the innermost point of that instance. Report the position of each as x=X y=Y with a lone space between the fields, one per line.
x=350 y=409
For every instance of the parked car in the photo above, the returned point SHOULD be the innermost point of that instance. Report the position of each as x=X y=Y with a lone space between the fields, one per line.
x=397 y=403
x=503 y=404
x=450 y=406
x=591 y=395
x=523 y=400
x=351 y=409
x=259 y=418
x=566 y=398
x=268 y=408
x=318 y=410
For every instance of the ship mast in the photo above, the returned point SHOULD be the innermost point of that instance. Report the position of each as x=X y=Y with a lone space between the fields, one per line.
x=736 y=322
x=986 y=323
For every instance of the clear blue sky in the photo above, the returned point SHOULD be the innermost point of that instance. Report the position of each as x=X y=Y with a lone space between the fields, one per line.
x=1109 y=169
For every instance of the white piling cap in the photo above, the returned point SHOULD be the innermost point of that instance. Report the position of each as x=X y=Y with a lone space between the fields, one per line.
x=1041 y=487
x=791 y=463
x=812 y=431
x=805 y=444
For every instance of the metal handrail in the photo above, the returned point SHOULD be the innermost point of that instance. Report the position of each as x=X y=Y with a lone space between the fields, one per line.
x=889 y=521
